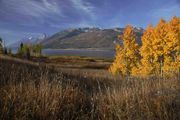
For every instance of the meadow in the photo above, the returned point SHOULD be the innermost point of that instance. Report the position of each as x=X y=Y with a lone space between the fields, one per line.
x=84 y=90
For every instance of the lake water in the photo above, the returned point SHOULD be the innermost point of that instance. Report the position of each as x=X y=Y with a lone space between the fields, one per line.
x=80 y=52
x=77 y=52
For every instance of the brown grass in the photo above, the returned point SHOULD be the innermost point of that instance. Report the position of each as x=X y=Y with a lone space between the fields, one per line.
x=32 y=91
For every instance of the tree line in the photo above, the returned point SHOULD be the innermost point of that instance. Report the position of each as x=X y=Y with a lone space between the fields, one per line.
x=28 y=50
x=24 y=50
x=159 y=53
x=3 y=49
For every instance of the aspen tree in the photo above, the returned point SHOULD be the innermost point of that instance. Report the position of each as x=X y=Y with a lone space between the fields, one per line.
x=147 y=62
x=172 y=47
x=127 y=56
x=158 y=44
x=118 y=66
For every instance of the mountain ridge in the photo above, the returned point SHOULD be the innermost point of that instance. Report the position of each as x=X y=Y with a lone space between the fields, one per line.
x=80 y=38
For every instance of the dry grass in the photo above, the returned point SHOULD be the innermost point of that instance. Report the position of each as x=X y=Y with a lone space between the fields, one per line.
x=32 y=91
x=147 y=100
x=45 y=101
x=75 y=62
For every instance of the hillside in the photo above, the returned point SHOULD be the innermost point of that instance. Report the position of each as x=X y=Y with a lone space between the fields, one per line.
x=79 y=38
x=86 y=38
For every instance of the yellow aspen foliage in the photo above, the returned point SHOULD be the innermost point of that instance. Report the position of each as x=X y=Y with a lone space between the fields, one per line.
x=147 y=62
x=117 y=67
x=158 y=43
x=127 y=56
x=173 y=36
x=160 y=50
x=172 y=47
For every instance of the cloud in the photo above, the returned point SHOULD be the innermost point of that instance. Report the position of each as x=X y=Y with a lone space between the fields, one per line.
x=46 y=12
x=53 y=6
x=84 y=6
x=32 y=8
x=31 y=13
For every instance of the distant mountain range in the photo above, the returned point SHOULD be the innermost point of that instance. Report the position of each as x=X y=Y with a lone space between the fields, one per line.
x=29 y=40
x=83 y=38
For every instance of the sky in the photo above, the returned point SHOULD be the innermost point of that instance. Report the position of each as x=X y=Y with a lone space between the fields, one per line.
x=26 y=18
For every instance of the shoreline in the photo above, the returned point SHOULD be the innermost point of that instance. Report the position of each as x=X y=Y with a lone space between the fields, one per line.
x=95 y=49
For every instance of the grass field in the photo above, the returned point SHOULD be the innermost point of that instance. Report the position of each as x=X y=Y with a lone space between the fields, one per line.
x=48 y=89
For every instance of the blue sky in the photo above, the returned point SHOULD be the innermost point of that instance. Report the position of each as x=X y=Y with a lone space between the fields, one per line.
x=24 y=18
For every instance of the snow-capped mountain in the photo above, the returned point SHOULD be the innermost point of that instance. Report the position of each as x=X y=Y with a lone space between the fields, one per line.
x=29 y=40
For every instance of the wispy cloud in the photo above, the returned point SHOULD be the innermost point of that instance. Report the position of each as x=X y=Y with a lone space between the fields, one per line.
x=31 y=13
x=84 y=6
x=31 y=8
x=52 y=7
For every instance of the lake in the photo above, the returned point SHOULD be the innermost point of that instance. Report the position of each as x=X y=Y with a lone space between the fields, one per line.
x=80 y=52
x=77 y=52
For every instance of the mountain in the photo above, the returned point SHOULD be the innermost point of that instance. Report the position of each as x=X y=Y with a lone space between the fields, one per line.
x=29 y=40
x=80 y=38
x=87 y=38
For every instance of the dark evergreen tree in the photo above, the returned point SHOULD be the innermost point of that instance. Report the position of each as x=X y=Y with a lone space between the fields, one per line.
x=1 y=46
x=21 y=46
x=28 y=54
x=5 y=51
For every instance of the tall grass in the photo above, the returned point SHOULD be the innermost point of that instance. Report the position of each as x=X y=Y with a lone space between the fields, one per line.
x=30 y=91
